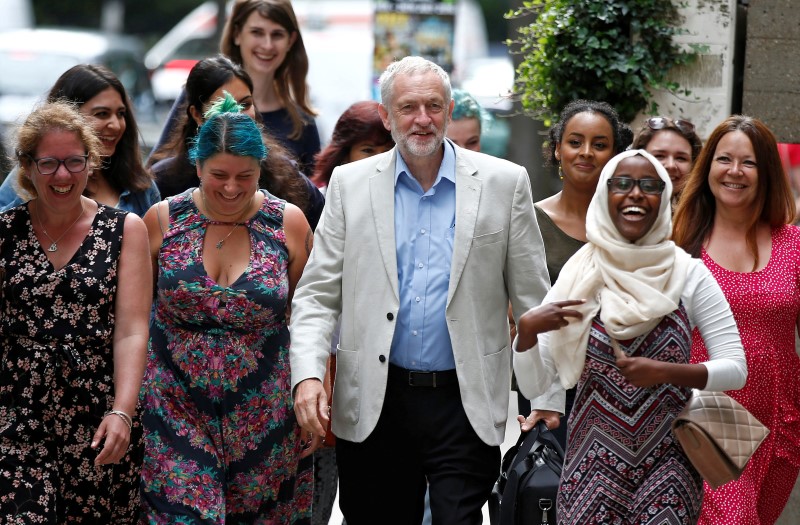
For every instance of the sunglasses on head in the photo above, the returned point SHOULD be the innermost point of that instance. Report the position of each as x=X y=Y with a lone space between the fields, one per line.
x=657 y=123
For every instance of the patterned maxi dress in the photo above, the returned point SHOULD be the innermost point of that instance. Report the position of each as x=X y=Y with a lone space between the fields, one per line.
x=765 y=305
x=623 y=466
x=221 y=441
x=56 y=379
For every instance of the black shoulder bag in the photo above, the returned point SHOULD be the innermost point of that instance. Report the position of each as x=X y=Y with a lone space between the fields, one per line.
x=525 y=492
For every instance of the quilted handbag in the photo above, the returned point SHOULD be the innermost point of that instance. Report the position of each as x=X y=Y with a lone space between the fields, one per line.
x=525 y=493
x=718 y=435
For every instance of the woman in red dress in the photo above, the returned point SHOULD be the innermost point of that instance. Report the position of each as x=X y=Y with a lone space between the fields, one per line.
x=735 y=214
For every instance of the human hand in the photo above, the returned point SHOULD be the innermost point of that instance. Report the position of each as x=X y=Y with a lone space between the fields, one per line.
x=117 y=436
x=551 y=418
x=544 y=318
x=310 y=443
x=311 y=407
x=642 y=372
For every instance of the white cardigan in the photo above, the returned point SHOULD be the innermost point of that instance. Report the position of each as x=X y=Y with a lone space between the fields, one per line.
x=707 y=309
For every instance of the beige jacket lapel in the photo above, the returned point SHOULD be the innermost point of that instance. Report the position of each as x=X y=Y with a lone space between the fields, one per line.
x=468 y=195
x=381 y=190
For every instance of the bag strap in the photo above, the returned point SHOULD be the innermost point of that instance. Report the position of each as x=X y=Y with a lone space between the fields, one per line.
x=525 y=443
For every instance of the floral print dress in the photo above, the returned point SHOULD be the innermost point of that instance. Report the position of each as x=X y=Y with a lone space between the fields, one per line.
x=221 y=441
x=56 y=378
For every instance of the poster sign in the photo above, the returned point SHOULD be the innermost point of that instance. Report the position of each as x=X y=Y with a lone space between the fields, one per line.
x=405 y=28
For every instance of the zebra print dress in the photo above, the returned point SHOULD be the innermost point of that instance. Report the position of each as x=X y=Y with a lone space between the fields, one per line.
x=623 y=465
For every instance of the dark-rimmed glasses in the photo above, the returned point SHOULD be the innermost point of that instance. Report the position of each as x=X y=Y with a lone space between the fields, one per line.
x=49 y=165
x=623 y=185
x=657 y=123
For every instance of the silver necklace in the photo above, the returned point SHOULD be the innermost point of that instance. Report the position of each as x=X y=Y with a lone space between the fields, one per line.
x=219 y=244
x=54 y=243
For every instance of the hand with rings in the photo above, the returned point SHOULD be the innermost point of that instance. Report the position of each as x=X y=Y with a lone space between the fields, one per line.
x=544 y=318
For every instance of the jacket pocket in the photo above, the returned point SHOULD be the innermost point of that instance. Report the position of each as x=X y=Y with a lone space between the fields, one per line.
x=496 y=377
x=346 y=391
x=488 y=238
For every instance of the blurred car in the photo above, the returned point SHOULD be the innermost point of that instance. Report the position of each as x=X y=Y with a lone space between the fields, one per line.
x=339 y=39
x=31 y=60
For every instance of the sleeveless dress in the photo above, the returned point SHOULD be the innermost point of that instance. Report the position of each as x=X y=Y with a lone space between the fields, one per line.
x=765 y=305
x=623 y=466
x=56 y=378
x=221 y=441
x=558 y=248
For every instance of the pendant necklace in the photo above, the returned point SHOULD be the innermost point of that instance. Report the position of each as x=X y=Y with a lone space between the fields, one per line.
x=221 y=242
x=54 y=243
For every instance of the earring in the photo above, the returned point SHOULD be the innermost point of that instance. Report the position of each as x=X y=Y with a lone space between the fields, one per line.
x=560 y=172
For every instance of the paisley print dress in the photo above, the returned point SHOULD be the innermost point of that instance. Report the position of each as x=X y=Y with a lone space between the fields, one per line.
x=623 y=466
x=56 y=378
x=221 y=441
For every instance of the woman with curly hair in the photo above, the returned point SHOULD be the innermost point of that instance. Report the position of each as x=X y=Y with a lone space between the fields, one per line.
x=75 y=298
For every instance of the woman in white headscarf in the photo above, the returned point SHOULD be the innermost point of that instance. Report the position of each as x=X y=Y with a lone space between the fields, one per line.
x=618 y=323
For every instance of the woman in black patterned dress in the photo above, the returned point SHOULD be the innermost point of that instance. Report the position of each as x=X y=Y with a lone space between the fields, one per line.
x=73 y=335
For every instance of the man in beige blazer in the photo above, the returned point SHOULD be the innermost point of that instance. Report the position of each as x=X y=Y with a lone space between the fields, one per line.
x=419 y=251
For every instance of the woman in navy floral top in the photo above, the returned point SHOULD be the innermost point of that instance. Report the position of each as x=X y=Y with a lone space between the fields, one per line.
x=221 y=441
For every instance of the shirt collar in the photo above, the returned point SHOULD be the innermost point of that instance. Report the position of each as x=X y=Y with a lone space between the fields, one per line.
x=447 y=169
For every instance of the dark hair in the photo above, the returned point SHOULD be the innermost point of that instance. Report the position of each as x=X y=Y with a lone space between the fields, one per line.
x=622 y=133
x=647 y=133
x=204 y=79
x=774 y=205
x=290 y=77
x=79 y=84
x=278 y=172
x=361 y=121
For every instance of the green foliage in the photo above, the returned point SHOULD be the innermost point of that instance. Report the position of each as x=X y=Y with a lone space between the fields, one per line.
x=611 y=50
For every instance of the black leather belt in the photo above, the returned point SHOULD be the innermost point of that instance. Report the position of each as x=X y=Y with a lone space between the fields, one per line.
x=423 y=379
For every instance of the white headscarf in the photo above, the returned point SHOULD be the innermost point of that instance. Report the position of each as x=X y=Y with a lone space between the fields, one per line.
x=633 y=285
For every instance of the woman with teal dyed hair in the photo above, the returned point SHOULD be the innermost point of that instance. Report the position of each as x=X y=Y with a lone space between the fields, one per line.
x=467 y=122
x=221 y=441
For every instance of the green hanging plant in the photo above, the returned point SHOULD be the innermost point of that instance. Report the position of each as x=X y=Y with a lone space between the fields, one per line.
x=618 y=51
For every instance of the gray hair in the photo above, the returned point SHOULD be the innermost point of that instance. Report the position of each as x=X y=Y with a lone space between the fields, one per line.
x=411 y=66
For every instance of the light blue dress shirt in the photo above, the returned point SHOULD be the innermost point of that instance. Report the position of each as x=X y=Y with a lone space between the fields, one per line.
x=424 y=226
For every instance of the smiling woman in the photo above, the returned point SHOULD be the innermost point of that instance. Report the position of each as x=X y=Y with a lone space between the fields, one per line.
x=734 y=215
x=618 y=324
x=634 y=197
x=585 y=137
x=227 y=257
x=73 y=337
x=120 y=180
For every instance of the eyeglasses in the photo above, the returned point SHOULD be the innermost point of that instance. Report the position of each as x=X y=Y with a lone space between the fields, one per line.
x=657 y=123
x=623 y=185
x=49 y=165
